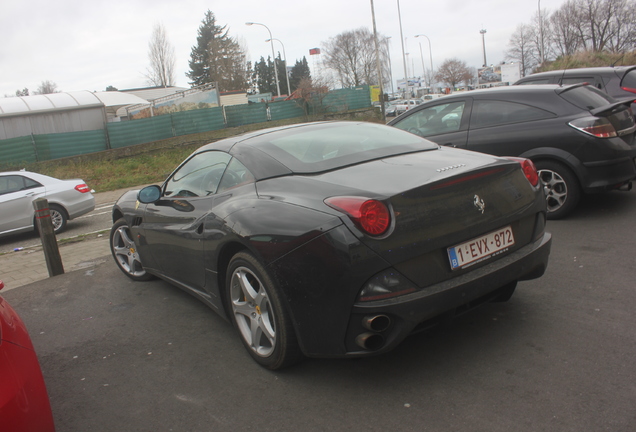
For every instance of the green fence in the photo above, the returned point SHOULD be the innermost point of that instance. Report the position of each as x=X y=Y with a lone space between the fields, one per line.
x=197 y=121
x=34 y=148
x=347 y=99
x=239 y=115
x=285 y=110
x=124 y=134
x=18 y=150
x=57 y=146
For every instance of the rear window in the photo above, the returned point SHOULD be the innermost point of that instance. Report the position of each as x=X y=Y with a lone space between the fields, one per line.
x=586 y=97
x=488 y=113
x=576 y=80
x=629 y=80
x=327 y=146
x=535 y=81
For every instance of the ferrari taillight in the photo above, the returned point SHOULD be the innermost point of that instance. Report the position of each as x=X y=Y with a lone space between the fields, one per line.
x=82 y=188
x=370 y=215
x=529 y=170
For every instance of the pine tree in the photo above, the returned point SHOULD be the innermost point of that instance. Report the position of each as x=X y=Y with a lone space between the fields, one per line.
x=217 y=57
x=298 y=72
x=264 y=76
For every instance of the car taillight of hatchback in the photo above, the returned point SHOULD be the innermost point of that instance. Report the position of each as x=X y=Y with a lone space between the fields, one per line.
x=598 y=127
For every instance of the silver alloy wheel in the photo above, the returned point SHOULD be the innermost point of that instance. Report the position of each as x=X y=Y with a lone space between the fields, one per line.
x=556 y=189
x=125 y=252
x=252 y=311
x=57 y=219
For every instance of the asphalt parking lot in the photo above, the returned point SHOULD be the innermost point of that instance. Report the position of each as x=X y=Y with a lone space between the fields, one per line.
x=559 y=356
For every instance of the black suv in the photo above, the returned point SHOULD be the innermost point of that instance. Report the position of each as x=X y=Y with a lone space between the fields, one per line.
x=580 y=139
x=619 y=81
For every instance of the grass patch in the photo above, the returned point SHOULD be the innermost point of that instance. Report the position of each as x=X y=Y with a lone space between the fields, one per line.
x=590 y=59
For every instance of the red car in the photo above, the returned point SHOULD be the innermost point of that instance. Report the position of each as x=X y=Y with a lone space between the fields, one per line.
x=24 y=402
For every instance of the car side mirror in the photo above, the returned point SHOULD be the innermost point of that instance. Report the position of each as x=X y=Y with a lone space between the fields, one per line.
x=149 y=194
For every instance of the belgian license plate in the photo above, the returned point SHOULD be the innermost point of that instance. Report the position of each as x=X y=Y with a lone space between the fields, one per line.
x=480 y=248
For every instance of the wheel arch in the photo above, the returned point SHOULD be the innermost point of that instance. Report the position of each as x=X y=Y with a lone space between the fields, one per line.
x=59 y=205
x=227 y=252
x=117 y=214
x=557 y=155
x=222 y=263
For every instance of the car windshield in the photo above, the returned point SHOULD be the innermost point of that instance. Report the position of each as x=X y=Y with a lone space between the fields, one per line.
x=325 y=147
x=586 y=97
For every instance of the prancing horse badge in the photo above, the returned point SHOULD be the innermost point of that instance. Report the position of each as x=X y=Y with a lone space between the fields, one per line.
x=479 y=203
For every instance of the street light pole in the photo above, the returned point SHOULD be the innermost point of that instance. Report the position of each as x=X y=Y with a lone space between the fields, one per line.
x=388 y=51
x=273 y=55
x=430 y=54
x=422 y=58
x=541 y=34
x=285 y=63
x=483 y=42
x=406 y=77
x=378 y=63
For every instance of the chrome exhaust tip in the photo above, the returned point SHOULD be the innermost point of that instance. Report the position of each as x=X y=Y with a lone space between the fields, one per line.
x=370 y=341
x=376 y=323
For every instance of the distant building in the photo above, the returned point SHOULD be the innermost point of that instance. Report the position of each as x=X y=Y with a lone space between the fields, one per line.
x=60 y=112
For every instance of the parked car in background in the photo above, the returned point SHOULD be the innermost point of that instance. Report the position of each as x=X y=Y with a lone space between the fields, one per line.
x=619 y=81
x=406 y=105
x=431 y=96
x=335 y=239
x=390 y=109
x=67 y=199
x=580 y=139
x=24 y=402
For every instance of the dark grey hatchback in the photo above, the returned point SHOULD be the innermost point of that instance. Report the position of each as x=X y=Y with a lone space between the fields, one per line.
x=580 y=139
x=618 y=81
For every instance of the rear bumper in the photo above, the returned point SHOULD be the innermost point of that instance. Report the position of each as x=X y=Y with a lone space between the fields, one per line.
x=608 y=175
x=81 y=207
x=407 y=312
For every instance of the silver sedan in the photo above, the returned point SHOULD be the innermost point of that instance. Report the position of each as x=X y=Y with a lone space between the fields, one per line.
x=67 y=199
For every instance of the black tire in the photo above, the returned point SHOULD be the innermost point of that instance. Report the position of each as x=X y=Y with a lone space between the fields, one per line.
x=59 y=217
x=125 y=252
x=563 y=191
x=256 y=310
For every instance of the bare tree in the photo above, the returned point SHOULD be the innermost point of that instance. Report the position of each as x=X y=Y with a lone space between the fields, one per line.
x=564 y=30
x=520 y=46
x=310 y=94
x=162 y=60
x=46 y=87
x=453 y=71
x=540 y=37
x=623 y=35
x=605 y=25
x=351 y=55
x=578 y=25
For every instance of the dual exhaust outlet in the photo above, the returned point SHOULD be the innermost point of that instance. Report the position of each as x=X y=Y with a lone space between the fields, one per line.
x=372 y=340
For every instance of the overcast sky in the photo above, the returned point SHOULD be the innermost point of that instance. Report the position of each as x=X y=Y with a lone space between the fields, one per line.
x=89 y=45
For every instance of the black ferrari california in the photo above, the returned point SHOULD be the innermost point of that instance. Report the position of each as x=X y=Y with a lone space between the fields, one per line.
x=335 y=239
